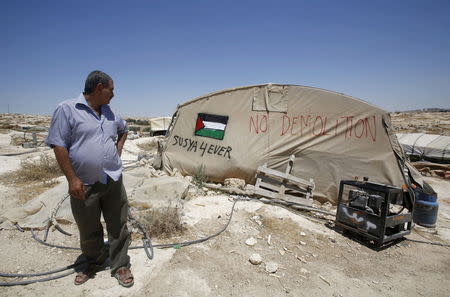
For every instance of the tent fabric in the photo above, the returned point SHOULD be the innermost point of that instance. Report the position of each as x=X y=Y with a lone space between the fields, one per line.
x=160 y=124
x=426 y=146
x=334 y=137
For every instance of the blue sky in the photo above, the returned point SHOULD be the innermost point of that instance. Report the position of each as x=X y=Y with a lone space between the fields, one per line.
x=394 y=54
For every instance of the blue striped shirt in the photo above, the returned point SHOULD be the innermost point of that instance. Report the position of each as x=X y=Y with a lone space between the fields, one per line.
x=89 y=138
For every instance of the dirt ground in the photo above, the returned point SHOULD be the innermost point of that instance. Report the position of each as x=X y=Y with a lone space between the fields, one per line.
x=312 y=258
x=422 y=122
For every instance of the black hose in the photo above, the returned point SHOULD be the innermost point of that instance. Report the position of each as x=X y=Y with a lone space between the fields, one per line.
x=57 y=227
x=429 y=242
x=51 y=245
x=46 y=230
x=148 y=247
x=42 y=273
x=19 y=228
x=167 y=245
x=18 y=154
x=27 y=282
x=186 y=243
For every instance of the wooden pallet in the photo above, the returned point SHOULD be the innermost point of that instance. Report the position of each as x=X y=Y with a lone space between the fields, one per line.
x=275 y=184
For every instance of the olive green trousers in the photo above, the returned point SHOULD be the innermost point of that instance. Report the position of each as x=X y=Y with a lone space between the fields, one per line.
x=111 y=200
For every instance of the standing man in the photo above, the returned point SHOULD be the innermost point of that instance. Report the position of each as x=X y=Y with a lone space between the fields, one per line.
x=87 y=138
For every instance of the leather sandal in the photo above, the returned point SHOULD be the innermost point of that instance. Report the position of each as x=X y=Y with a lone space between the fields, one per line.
x=84 y=276
x=124 y=277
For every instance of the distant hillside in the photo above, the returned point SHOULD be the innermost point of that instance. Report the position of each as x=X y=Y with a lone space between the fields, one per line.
x=434 y=109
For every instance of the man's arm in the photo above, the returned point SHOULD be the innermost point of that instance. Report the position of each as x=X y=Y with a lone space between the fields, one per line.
x=76 y=186
x=121 y=141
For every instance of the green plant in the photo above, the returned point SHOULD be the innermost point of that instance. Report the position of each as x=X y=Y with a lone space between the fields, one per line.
x=199 y=176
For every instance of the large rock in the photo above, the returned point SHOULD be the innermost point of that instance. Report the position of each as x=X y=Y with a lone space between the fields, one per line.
x=159 y=192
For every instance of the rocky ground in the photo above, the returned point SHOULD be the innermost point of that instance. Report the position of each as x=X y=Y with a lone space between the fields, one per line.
x=306 y=255
x=422 y=122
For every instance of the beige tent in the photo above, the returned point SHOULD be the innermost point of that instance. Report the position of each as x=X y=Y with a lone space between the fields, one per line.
x=160 y=124
x=333 y=137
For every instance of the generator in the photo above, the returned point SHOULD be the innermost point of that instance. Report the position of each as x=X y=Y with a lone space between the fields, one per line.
x=378 y=212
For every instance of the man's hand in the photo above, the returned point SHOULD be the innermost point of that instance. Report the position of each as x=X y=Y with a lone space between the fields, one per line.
x=77 y=189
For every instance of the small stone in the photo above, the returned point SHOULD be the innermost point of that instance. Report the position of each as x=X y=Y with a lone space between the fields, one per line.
x=190 y=193
x=333 y=240
x=257 y=220
x=255 y=259
x=234 y=183
x=302 y=242
x=302 y=234
x=271 y=267
x=304 y=271
x=250 y=241
x=327 y=206
x=302 y=259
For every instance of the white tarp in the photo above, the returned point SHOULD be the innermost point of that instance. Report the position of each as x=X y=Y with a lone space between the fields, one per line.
x=160 y=124
x=426 y=146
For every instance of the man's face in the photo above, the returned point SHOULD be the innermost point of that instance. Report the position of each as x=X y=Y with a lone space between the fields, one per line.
x=106 y=93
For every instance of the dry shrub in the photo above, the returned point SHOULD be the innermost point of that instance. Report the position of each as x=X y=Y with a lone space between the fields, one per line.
x=33 y=177
x=162 y=223
x=44 y=170
x=8 y=126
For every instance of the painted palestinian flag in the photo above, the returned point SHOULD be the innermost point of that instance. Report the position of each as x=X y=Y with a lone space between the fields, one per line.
x=211 y=125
